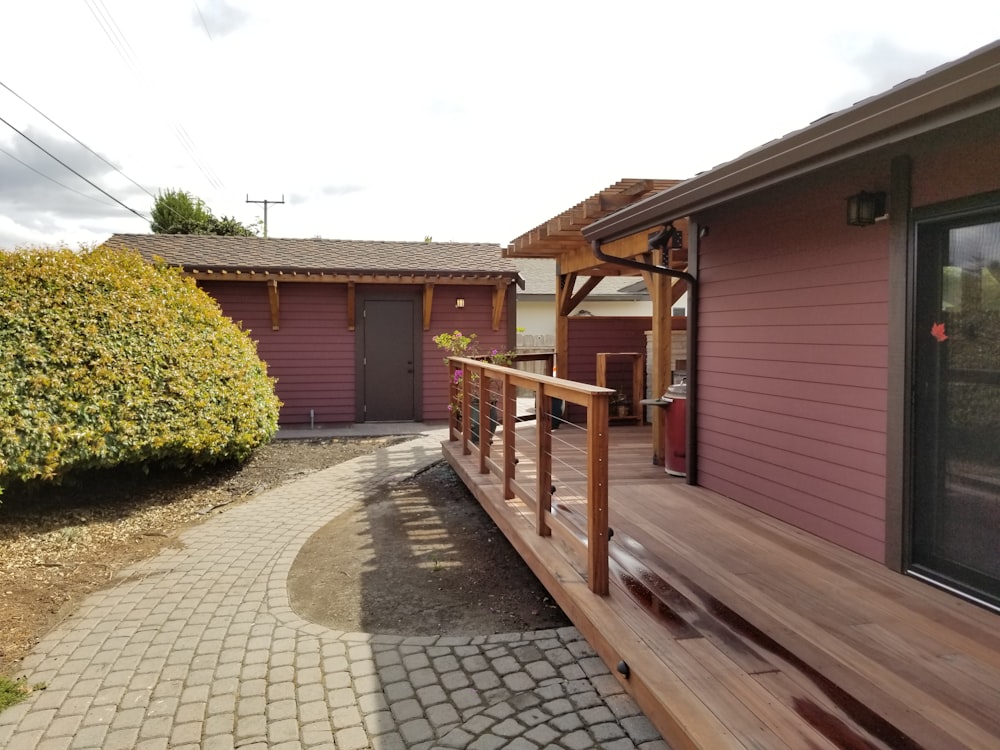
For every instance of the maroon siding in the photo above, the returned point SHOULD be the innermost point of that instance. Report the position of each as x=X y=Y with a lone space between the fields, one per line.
x=588 y=336
x=792 y=362
x=793 y=337
x=311 y=355
x=476 y=317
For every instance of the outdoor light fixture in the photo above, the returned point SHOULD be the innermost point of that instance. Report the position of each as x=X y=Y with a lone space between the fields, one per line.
x=865 y=208
x=460 y=302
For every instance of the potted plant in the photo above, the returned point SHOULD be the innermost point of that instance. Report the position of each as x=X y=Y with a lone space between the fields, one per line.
x=457 y=344
x=620 y=406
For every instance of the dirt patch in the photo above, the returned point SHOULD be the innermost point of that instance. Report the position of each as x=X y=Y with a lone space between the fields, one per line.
x=58 y=546
x=419 y=558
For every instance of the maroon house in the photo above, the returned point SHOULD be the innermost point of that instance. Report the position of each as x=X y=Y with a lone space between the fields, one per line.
x=846 y=325
x=345 y=326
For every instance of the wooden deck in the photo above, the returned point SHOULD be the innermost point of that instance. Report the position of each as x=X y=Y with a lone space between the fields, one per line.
x=739 y=631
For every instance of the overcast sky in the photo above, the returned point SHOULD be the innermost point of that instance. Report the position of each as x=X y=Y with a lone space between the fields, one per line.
x=467 y=121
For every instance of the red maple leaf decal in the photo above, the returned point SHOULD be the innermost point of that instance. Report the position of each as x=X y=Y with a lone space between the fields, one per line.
x=937 y=331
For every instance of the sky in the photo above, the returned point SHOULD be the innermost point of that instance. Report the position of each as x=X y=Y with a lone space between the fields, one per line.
x=391 y=120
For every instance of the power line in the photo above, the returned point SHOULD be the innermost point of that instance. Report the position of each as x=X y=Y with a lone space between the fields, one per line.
x=67 y=166
x=117 y=38
x=202 y=17
x=53 y=122
x=84 y=145
x=52 y=179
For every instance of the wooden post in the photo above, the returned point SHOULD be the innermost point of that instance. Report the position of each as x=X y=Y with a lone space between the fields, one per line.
x=466 y=409
x=597 y=494
x=543 y=461
x=509 y=414
x=453 y=399
x=485 y=407
x=662 y=354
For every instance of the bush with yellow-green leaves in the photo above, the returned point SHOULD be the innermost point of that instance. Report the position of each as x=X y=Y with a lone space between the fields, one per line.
x=107 y=360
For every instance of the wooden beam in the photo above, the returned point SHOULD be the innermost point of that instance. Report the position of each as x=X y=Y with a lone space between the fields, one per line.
x=627 y=247
x=564 y=293
x=579 y=259
x=499 y=292
x=428 y=304
x=272 y=298
x=581 y=294
x=350 y=306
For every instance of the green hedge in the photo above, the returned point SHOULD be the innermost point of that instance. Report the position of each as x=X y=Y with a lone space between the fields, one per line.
x=108 y=360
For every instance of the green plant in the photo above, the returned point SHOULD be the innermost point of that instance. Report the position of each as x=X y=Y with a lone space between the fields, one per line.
x=458 y=344
x=110 y=360
x=15 y=691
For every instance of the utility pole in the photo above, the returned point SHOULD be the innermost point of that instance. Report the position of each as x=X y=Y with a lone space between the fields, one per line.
x=265 y=202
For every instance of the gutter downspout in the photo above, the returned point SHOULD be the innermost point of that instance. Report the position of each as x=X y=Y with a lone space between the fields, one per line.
x=692 y=344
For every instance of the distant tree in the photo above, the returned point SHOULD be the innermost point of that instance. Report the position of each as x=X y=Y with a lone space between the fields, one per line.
x=228 y=225
x=179 y=212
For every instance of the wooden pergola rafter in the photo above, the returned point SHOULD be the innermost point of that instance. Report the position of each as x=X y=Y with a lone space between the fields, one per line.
x=561 y=239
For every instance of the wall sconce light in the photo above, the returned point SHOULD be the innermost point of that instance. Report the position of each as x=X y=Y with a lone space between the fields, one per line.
x=460 y=302
x=865 y=208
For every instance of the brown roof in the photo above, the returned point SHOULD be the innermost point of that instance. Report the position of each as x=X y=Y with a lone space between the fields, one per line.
x=196 y=252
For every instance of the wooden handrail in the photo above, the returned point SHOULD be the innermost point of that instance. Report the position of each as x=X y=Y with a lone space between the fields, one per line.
x=469 y=385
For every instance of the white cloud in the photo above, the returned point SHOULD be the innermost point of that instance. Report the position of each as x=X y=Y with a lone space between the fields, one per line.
x=392 y=119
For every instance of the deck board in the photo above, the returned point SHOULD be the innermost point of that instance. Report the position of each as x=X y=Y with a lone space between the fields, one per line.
x=742 y=631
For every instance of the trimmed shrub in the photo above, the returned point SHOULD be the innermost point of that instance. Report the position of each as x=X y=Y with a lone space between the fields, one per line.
x=108 y=360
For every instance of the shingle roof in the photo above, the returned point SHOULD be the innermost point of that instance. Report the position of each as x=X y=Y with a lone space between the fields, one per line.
x=209 y=252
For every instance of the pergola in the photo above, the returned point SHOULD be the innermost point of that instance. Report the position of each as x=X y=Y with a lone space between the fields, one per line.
x=561 y=238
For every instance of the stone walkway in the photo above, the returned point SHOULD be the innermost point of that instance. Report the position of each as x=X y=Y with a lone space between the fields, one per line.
x=198 y=648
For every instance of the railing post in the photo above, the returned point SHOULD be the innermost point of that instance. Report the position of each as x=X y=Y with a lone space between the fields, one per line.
x=453 y=399
x=509 y=414
x=485 y=420
x=543 y=461
x=466 y=409
x=597 y=493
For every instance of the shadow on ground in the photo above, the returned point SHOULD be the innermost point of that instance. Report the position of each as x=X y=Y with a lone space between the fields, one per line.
x=418 y=558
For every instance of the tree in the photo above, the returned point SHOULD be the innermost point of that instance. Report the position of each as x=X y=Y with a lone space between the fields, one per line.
x=179 y=212
x=110 y=360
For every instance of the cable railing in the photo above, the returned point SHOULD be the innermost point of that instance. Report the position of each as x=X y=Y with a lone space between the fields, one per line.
x=559 y=481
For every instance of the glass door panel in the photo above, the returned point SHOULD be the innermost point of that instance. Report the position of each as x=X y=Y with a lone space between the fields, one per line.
x=955 y=537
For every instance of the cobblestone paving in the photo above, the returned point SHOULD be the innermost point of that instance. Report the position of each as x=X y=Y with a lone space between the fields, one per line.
x=199 y=649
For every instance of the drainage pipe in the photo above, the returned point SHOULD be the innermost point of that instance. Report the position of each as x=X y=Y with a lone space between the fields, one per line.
x=692 y=343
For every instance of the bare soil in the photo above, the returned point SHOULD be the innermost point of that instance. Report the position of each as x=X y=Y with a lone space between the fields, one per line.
x=419 y=557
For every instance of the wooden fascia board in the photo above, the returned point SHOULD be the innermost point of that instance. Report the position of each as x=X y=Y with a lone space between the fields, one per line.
x=319 y=277
x=272 y=299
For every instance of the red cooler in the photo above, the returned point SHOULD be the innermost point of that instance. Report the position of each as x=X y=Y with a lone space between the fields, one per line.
x=674 y=413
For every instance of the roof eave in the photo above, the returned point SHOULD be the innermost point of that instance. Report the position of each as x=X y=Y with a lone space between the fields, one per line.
x=953 y=92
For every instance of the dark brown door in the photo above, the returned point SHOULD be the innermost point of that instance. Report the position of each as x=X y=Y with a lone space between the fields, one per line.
x=956 y=418
x=388 y=360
